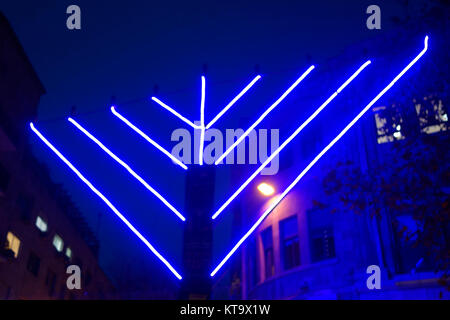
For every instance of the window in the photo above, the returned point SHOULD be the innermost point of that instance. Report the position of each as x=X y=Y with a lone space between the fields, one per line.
x=13 y=243
x=62 y=292
x=33 y=264
x=58 y=243
x=68 y=253
x=432 y=114
x=4 y=180
x=322 y=243
x=25 y=204
x=389 y=122
x=41 y=224
x=87 y=278
x=290 y=248
x=252 y=266
x=321 y=236
x=8 y=293
x=8 y=126
x=50 y=281
x=269 y=263
x=408 y=256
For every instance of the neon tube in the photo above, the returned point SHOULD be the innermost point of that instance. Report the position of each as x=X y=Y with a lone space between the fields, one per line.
x=202 y=122
x=127 y=167
x=232 y=102
x=171 y=110
x=108 y=203
x=146 y=137
x=288 y=140
x=311 y=164
x=261 y=118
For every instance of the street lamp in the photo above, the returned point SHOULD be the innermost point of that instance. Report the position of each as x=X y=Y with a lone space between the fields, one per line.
x=266 y=189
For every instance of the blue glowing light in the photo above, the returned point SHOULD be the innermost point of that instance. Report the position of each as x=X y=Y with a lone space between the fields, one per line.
x=147 y=138
x=107 y=202
x=288 y=140
x=202 y=122
x=313 y=162
x=261 y=118
x=232 y=102
x=127 y=167
x=178 y=115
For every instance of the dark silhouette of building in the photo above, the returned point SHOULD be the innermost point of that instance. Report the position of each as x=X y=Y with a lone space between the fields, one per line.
x=41 y=230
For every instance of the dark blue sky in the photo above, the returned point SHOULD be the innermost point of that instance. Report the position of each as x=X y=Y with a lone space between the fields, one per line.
x=124 y=49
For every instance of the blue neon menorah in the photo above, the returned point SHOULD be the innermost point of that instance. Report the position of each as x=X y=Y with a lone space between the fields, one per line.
x=203 y=127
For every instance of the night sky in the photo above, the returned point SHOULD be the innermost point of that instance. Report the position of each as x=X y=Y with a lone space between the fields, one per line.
x=126 y=47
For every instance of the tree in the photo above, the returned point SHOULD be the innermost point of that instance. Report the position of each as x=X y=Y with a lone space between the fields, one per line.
x=414 y=182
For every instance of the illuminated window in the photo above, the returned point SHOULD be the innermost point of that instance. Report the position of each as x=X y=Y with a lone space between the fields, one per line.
x=290 y=247
x=58 y=243
x=68 y=253
x=41 y=224
x=13 y=243
x=269 y=263
x=389 y=122
x=432 y=114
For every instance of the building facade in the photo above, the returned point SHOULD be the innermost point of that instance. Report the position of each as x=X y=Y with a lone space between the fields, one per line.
x=41 y=231
x=308 y=248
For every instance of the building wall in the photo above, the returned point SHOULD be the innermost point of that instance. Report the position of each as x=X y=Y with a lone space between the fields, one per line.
x=359 y=241
x=30 y=274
